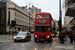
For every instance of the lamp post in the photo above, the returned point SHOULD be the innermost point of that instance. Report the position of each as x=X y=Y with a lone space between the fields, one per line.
x=29 y=13
x=59 y=20
x=60 y=17
x=61 y=36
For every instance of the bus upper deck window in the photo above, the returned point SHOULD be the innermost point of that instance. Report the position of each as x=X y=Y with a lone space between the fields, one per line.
x=39 y=16
x=46 y=16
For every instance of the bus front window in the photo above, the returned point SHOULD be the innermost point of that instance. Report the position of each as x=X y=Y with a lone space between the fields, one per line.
x=45 y=28
x=38 y=28
x=42 y=29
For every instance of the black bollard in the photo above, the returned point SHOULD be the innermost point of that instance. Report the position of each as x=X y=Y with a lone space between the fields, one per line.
x=62 y=39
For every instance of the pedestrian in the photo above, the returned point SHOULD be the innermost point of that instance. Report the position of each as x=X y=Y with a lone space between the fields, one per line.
x=9 y=32
x=71 y=37
x=65 y=35
x=74 y=35
x=15 y=32
x=5 y=33
x=68 y=33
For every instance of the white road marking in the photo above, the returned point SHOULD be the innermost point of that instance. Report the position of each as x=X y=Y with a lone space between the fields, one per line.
x=16 y=47
x=35 y=48
x=22 y=44
x=8 y=49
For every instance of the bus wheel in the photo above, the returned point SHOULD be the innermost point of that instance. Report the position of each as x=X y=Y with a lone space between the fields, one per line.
x=35 y=40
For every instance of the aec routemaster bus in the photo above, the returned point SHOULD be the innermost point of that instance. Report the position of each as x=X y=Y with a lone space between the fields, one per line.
x=43 y=27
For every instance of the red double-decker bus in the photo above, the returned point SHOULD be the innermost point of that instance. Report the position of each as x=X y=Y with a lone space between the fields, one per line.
x=43 y=27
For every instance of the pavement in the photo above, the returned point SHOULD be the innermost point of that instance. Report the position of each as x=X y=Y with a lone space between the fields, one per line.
x=67 y=46
x=5 y=38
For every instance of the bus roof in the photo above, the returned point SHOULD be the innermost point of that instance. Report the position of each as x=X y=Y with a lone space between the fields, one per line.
x=42 y=13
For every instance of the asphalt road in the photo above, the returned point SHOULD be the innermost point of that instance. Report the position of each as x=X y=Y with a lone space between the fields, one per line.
x=6 y=43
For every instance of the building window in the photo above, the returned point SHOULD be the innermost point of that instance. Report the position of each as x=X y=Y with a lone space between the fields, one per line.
x=20 y=16
x=20 y=22
x=15 y=13
x=15 y=19
x=8 y=17
x=15 y=6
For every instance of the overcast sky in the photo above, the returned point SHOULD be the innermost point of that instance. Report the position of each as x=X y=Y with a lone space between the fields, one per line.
x=51 y=6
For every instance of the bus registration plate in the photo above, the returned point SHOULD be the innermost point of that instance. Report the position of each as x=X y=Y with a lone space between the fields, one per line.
x=42 y=21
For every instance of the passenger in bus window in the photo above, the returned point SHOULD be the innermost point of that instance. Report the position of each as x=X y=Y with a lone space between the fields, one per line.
x=45 y=29
x=48 y=28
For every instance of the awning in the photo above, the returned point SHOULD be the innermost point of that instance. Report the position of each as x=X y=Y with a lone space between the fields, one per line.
x=70 y=12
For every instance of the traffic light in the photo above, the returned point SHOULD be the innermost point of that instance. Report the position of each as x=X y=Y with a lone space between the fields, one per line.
x=59 y=23
x=13 y=23
x=54 y=24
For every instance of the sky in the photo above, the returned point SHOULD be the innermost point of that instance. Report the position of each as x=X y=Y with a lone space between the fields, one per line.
x=51 y=6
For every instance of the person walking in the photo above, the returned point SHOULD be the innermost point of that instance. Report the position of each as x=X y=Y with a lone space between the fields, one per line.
x=65 y=35
x=71 y=37
x=74 y=35
x=68 y=33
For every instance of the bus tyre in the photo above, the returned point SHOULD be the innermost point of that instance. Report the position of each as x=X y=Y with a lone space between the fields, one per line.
x=35 y=40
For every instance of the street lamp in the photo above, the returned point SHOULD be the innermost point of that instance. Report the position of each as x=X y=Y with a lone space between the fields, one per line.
x=29 y=13
x=61 y=36
x=60 y=18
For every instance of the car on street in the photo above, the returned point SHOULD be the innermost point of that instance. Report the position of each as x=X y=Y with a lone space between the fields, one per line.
x=22 y=36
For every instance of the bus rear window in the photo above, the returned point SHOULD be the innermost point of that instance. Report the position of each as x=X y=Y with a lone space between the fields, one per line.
x=46 y=16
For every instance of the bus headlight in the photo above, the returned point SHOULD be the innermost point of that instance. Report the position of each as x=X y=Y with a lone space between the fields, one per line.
x=47 y=36
x=35 y=35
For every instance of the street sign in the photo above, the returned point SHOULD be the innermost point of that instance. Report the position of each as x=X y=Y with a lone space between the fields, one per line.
x=10 y=27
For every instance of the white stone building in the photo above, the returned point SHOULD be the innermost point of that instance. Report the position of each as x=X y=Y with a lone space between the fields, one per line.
x=11 y=12
x=69 y=13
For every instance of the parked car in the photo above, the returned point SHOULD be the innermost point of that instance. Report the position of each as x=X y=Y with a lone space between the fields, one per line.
x=22 y=36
